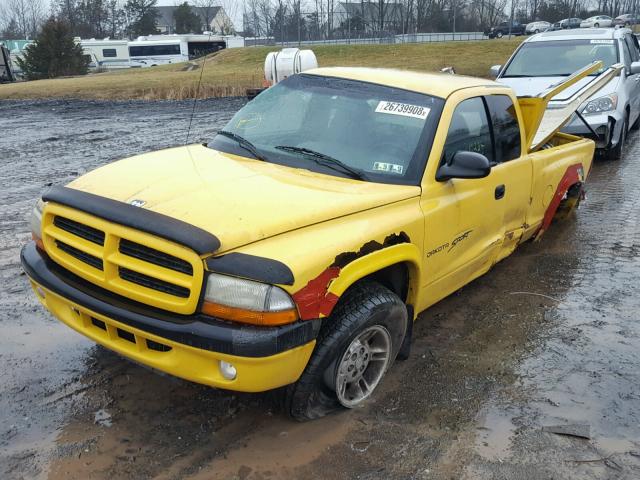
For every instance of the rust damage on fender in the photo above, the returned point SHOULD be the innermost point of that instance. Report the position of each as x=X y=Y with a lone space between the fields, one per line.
x=314 y=300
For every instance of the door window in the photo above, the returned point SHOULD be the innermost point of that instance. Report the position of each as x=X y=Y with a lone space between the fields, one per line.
x=469 y=130
x=506 y=128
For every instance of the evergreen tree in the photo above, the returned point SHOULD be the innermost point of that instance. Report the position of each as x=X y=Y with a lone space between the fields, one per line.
x=186 y=20
x=142 y=17
x=54 y=53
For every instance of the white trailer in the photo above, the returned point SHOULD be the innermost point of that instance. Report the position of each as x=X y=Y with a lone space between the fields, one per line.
x=106 y=54
x=152 y=50
x=155 y=50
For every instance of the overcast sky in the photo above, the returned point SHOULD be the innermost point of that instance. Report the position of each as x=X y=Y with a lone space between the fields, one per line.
x=161 y=3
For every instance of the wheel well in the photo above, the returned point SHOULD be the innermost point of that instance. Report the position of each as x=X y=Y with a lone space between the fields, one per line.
x=394 y=277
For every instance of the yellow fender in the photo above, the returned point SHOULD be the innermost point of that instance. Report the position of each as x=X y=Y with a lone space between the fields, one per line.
x=376 y=261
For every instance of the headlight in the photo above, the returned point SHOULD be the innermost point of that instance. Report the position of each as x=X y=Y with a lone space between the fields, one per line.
x=246 y=301
x=35 y=221
x=602 y=104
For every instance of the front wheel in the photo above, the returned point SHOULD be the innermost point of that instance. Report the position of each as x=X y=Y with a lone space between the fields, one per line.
x=355 y=348
x=499 y=34
x=596 y=25
x=616 y=153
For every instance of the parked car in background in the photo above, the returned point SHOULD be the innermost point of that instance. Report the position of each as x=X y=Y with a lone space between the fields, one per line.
x=505 y=28
x=537 y=27
x=597 y=21
x=548 y=58
x=626 y=20
x=566 y=24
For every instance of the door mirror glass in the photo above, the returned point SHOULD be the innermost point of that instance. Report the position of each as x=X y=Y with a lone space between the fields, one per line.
x=464 y=165
x=634 y=68
x=494 y=71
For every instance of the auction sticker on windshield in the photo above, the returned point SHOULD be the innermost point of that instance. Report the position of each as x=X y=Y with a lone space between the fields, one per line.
x=404 y=109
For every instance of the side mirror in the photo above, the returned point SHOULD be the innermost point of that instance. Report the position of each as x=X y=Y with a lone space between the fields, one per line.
x=464 y=165
x=634 y=68
x=494 y=71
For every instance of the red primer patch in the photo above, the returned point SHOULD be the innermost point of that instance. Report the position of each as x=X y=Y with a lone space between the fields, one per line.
x=313 y=300
x=570 y=177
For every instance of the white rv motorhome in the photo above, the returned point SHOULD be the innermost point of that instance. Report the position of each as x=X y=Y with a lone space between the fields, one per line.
x=153 y=50
x=106 y=54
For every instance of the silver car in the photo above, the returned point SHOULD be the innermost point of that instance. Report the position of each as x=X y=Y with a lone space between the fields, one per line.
x=597 y=22
x=537 y=27
x=544 y=59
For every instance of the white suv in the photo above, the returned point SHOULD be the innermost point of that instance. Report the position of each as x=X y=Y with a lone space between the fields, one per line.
x=545 y=59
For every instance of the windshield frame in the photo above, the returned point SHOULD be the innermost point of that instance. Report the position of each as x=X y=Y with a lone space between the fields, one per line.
x=415 y=168
x=503 y=73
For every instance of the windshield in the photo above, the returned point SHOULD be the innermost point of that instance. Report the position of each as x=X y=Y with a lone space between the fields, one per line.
x=560 y=58
x=383 y=134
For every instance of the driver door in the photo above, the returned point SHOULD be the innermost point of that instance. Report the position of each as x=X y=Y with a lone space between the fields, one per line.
x=464 y=218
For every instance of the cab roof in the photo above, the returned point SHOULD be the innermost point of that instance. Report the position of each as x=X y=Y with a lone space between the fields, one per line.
x=436 y=84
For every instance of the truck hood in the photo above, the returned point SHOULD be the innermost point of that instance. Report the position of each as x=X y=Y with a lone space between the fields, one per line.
x=239 y=200
x=532 y=86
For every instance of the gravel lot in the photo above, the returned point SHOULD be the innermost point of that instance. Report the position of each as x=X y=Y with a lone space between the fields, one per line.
x=551 y=336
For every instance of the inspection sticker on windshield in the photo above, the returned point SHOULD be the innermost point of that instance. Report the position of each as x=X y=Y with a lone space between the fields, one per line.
x=404 y=109
x=602 y=42
x=388 y=167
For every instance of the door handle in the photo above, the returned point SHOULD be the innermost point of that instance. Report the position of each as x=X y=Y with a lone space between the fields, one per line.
x=499 y=193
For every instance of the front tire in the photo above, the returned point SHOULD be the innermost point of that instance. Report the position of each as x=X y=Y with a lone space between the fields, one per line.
x=356 y=346
x=616 y=153
x=499 y=35
x=596 y=25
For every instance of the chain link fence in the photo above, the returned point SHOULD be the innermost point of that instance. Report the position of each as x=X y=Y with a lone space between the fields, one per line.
x=373 y=40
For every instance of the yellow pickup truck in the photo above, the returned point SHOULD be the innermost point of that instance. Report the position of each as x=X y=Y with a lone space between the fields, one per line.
x=297 y=248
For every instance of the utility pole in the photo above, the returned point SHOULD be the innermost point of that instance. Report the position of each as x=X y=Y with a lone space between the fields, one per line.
x=455 y=4
x=513 y=9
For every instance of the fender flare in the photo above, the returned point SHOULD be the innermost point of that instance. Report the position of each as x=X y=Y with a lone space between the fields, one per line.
x=320 y=295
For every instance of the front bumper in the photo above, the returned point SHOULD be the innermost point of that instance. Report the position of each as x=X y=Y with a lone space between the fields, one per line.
x=189 y=347
x=606 y=125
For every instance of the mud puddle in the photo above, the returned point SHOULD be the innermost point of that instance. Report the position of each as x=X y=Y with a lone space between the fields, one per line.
x=550 y=337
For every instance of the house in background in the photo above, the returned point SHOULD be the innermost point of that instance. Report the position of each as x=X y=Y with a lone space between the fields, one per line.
x=214 y=19
x=364 y=17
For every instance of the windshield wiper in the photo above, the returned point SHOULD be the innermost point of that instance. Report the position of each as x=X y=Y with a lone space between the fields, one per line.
x=244 y=143
x=326 y=160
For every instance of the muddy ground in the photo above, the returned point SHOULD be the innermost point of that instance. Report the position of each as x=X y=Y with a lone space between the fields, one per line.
x=550 y=337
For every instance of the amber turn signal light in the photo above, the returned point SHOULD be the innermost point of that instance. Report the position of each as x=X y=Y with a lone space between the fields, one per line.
x=267 y=319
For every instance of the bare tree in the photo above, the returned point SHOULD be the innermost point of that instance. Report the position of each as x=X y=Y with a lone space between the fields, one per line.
x=26 y=15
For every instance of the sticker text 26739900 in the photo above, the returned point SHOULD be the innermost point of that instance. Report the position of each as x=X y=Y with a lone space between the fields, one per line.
x=404 y=109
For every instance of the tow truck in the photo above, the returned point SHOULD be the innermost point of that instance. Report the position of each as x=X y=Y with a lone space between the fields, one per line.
x=297 y=248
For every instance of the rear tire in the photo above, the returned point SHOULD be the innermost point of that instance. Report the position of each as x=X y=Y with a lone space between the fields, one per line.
x=366 y=309
x=570 y=203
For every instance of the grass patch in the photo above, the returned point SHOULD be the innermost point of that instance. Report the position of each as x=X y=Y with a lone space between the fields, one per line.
x=231 y=72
